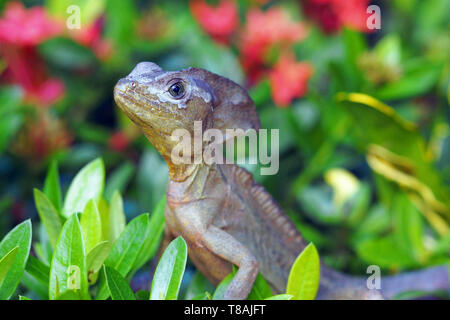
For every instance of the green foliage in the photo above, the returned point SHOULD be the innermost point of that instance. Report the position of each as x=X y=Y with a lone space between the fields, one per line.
x=169 y=272
x=87 y=185
x=20 y=238
x=83 y=244
x=117 y=285
x=303 y=281
x=68 y=270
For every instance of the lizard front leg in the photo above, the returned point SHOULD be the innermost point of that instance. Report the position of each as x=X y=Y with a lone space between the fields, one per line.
x=227 y=247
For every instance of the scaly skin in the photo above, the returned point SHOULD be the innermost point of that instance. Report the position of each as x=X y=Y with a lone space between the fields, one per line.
x=225 y=217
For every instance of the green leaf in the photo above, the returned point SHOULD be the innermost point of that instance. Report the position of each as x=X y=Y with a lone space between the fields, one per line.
x=260 y=289
x=154 y=235
x=384 y=252
x=97 y=256
x=103 y=209
x=68 y=268
x=413 y=84
x=117 y=220
x=408 y=227
x=6 y=263
x=38 y=270
x=117 y=285
x=91 y=226
x=48 y=215
x=87 y=185
x=303 y=281
x=11 y=118
x=198 y=286
x=125 y=249
x=35 y=286
x=89 y=10
x=389 y=49
x=143 y=295
x=67 y=54
x=223 y=285
x=280 y=297
x=23 y=298
x=68 y=295
x=95 y=259
x=20 y=237
x=52 y=188
x=118 y=179
x=169 y=272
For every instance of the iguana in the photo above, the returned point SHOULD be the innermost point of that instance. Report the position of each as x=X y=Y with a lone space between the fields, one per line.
x=226 y=217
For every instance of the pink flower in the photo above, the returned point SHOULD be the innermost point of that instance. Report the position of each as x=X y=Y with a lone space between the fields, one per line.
x=289 y=79
x=218 y=21
x=263 y=31
x=90 y=36
x=333 y=14
x=20 y=31
x=23 y=27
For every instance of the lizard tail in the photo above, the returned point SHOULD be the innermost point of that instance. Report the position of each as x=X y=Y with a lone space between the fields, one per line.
x=338 y=286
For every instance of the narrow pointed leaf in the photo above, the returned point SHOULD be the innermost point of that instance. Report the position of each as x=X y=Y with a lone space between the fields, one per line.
x=117 y=285
x=68 y=268
x=303 y=281
x=222 y=287
x=48 y=215
x=91 y=225
x=117 y=219
x=260 y=290
x=6 y=263
x=118 y=179
x=38 y=270
x=95 y=259
x=97 y=255
x=52 y=188
x=125 y=250
x=20 y=237
x=154 y=235
x=87 y=184
x=169 y=272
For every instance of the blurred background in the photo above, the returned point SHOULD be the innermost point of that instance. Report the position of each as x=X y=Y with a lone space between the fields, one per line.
x=363 y=113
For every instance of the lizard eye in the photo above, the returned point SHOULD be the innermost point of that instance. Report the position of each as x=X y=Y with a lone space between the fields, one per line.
x=177 y=90
x=133 y=84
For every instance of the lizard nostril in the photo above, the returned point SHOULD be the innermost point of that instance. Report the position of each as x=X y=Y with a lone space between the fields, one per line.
x=133 y=84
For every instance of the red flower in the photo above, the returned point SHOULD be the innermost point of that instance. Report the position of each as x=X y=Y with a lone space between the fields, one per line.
x=218 y=21
x=333 y=14
x=26 y=27
x=119 y=141
x=90 y=36
x=263 y=31
x=289 y=79
x=20 y=31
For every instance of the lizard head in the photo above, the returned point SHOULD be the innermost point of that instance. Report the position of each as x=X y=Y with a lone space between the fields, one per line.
x=160 y=102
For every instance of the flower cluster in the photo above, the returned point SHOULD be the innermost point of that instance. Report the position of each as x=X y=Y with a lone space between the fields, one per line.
x=21 y=31
x=264 y=35
x=333 y=14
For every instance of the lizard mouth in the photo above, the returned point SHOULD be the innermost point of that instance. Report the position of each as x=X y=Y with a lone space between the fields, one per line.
x=139 y=109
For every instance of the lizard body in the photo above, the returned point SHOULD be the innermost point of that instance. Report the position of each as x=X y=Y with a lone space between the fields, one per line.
x=225 y=217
